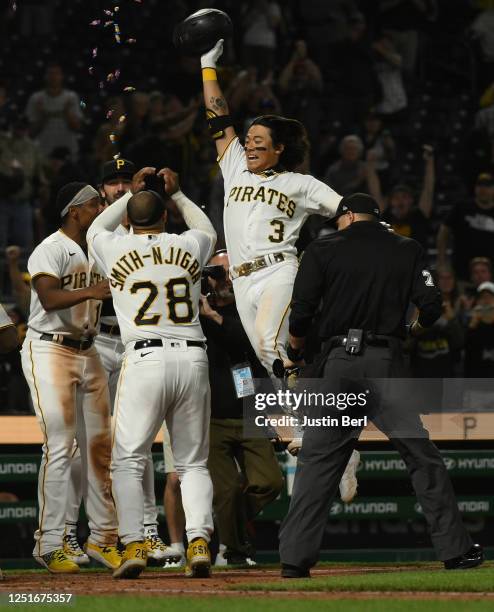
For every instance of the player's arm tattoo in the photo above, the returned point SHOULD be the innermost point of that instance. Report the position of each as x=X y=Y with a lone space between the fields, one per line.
x=218 y=104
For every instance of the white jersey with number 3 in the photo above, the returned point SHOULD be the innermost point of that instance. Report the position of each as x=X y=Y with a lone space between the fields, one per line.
x=264 y=212
x=155 y=281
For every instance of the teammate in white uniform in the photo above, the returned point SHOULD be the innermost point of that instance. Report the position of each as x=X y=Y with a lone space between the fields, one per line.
x=155 y=284
x=266 y=204
x=116 y=180
x=68 y=384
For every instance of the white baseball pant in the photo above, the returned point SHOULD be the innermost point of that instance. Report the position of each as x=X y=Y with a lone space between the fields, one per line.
x=70 y=397
x=263 y=302
x=162 y=383
x=110 y=350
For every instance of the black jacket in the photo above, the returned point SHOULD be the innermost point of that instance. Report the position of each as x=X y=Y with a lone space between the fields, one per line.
x=366 y=277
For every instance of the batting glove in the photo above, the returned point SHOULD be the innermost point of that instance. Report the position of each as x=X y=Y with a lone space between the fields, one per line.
x=209 y=59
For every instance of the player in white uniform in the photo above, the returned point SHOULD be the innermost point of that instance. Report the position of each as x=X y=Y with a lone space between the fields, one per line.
x=8 y=342
x=116 y=180
x=68 y=384
x=266 y=204
x=155 y=284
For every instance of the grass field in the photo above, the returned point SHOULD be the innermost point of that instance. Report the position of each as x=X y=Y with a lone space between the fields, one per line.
x=479 y=580
x=335 y=587
x=228 y=604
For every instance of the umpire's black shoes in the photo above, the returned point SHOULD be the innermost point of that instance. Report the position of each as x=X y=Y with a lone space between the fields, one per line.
x=292 y=571
x=472 y=558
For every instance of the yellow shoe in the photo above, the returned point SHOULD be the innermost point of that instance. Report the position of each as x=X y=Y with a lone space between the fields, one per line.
x=156 y=548
x=109 y=556
x=57 y=562
x=198 y=559
x=134 y=561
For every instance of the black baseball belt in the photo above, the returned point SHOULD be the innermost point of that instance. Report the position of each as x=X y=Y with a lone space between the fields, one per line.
x=80 y=345
x=111 y=330
x=147 y=343
x=366 y=339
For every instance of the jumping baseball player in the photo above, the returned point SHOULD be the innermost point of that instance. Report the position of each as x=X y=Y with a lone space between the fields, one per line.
x=68 y=384
x=116 y=180
x=155 y=284
x=266 y=204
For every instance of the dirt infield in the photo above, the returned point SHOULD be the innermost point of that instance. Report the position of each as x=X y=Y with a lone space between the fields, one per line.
x=152 y=583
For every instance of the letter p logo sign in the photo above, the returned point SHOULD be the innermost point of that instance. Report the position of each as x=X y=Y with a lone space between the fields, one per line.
x=120 y=163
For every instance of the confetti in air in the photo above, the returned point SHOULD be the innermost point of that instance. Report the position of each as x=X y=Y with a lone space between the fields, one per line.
x=95 y=22
x=116 y=156
x=82 y=104
x=14 y=6
x=113 y=138
x=95 y=52
x=91 y=70
x=109 y=113
x=131 y=41
x=108 y=23
x=117 y=33
x=107 y=12
x=116 y=9
x=129 y=88
x=121 y=119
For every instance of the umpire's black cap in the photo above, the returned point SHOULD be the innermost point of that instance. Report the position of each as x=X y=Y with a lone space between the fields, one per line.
x=117 y=167
x=359 y=203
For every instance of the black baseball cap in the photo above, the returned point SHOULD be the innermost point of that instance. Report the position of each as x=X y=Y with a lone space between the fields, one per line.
x=359 y=203
x=117 y=167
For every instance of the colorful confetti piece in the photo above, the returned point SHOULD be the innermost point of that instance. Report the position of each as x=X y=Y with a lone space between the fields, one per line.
x=122 y=118
x=107 y=12
x=116 y=156
x=129 y=88
x=109 y=113
x=113 y=138
x=131 y=41
x=91 y=70
x=108 y=23
x=95 y=22
x=82 y=104
x=95 y=51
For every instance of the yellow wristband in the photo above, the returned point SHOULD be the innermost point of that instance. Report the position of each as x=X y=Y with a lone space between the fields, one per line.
x=209 y=74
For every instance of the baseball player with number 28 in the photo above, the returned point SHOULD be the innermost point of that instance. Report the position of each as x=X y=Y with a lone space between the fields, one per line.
x=266 y=204
x=155 y=284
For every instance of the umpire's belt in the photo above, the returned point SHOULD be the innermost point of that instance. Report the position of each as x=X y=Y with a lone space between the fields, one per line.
x=259 y=263
x=111 y=330
x=370 y=339
x=80 y=345
x=147 y=343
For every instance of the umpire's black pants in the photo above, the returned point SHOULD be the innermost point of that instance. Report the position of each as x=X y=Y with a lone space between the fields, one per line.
x=325 y=453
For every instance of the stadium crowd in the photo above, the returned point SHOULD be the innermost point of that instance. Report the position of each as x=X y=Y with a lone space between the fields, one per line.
x=397 y=97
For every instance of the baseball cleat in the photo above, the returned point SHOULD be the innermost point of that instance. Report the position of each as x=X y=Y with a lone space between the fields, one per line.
x=134 y=561
x=73 y=551
x=175 y=562
x=57 y=562
x=198 y=564
x=472 y=558
x=155 y=547
x=348 y=482
x=109 y=556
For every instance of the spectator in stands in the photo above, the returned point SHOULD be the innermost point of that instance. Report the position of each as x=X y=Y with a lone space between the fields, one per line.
x=13 y=388
x=21 y=173
x=261 y=19
x=19 y=281
x=480 y=271
x=479 y=344
x=378 y=139
x=482 y=31
x=356 y=80
x=398 y=208
x=402 y=20
x=437 y=352
x=8 y=333
x=347 y=175
x=325 y=25
x=54 y=114
x=471 y=226
x=300 y=83
x=60 y=170
x=388 y=66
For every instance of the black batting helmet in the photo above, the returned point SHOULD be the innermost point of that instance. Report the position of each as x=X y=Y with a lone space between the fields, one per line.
x=200 y=31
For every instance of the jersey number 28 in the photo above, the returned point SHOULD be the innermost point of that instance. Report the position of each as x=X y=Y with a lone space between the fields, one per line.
x=179 y=305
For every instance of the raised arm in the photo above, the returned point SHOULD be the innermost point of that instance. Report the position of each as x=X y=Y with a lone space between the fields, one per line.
x=113 y=215
x=217 y=111
x=193 y=216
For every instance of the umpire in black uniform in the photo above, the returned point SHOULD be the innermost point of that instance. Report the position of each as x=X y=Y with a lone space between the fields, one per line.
x=366 y=277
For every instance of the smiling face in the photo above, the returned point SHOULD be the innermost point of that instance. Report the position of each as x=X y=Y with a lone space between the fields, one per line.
x=115 y=188
x=260 y=152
